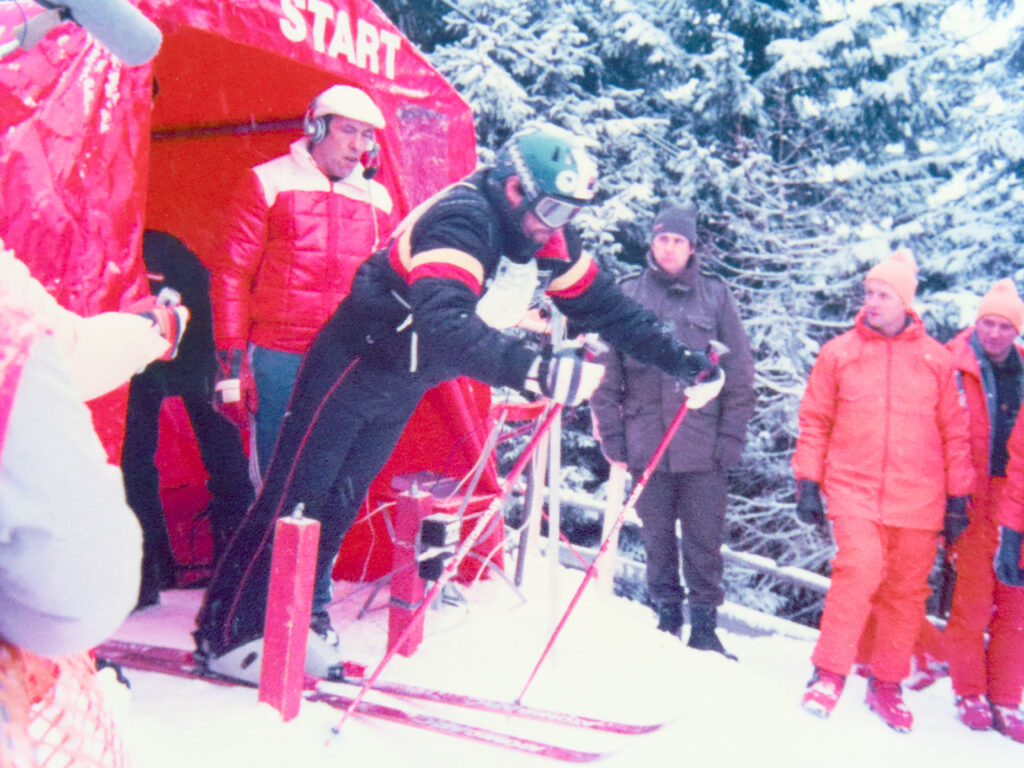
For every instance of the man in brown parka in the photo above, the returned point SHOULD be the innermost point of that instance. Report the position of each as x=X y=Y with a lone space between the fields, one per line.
x=634 y=406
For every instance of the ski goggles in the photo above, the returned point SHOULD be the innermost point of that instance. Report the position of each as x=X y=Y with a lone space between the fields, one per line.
x=554 y=213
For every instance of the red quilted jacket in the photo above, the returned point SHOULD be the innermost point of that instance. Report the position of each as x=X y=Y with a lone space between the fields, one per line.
x=292 y=244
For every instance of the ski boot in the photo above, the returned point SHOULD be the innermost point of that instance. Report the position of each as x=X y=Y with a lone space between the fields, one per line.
x=823 y=692
x=886 y=700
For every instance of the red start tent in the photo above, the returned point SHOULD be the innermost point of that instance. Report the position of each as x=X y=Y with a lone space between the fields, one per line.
x=95 y=152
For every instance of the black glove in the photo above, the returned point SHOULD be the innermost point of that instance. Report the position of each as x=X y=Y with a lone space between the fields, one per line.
x=689 y=364
x=1007 y=563
x=808 y=503
x=956 y=518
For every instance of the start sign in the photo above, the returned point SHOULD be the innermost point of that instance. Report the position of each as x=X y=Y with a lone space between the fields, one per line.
x=364 y=44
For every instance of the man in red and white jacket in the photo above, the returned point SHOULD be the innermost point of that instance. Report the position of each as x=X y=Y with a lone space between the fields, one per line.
x=298 y=228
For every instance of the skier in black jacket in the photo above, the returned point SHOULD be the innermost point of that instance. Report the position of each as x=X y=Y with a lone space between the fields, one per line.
x=422 y=311
x=176 y=275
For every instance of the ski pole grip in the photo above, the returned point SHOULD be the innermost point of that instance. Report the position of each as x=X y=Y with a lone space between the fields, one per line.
x=715 y=350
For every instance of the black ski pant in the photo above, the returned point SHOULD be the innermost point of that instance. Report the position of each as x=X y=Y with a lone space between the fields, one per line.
x=698 y=500
x=221 y=451
x=345 y=417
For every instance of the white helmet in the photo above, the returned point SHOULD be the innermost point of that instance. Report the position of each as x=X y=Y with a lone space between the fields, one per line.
x=343 y=100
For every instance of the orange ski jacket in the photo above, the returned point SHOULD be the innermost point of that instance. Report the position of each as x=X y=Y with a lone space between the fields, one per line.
x=883 y=429
x=979 y=392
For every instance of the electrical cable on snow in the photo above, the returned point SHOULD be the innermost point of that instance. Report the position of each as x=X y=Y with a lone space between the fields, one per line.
x=477 y=471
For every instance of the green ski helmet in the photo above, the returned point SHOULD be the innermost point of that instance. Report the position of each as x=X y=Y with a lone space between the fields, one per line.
x=557 y=174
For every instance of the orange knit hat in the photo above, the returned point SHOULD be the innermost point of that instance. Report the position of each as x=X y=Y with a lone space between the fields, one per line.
x=1002 y=300
x=898 y=271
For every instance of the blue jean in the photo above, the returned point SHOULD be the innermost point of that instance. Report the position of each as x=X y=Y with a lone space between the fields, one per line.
x=274 y=373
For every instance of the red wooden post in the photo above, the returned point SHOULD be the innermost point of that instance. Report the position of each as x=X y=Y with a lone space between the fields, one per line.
x=289 y=603
x=407 y=588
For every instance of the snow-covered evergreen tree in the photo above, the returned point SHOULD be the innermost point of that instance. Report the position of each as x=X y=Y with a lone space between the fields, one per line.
x=814 y=136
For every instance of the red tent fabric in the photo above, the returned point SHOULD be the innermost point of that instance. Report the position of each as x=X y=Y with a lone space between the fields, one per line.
x=95 y=152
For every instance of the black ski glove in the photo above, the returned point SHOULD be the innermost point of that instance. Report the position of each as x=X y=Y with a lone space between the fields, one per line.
x=808 y=503
x=956 y=518
x=689 y=364
x=1007 y=563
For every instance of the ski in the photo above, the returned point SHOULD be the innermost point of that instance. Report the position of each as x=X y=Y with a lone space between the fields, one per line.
x=511 y=708
x=179 y=663
x=462 y=730
x=353 y=676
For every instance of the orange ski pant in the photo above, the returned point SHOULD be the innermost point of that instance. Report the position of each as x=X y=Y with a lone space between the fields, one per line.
x=981 y=602
x=930 y=644
x=880 y=569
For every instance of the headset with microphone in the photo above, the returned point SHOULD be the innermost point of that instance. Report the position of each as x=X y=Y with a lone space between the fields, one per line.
x=355 y=104
x=370 y=160
x=316 y=129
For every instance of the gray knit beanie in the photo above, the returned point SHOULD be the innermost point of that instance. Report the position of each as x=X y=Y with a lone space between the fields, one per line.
x=678 y=220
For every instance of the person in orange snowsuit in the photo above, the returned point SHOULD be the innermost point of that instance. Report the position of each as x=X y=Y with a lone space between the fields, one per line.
x=929 y=661
x=991 y=375
x=883 y=436
x=988 y=680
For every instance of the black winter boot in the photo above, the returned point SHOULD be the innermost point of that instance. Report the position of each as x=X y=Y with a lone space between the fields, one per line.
x=703 y=621
x=158 y=567
x=670 y=617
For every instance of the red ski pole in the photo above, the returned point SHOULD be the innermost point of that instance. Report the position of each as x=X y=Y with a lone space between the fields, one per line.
x=453 y=563
x=716 y=349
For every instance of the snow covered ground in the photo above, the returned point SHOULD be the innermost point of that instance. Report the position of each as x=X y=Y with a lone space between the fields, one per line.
x=609 y=661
